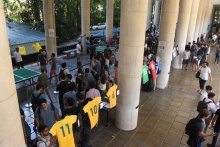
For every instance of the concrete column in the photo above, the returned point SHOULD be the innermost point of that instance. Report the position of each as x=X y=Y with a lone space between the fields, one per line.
x=192 y=21
x=149 y=14
x=49 y=27
x=132 y=37
x=182 y=30
x=207 y=22
x=11 y=132
x=85 y=21
x=198 y=20
x=204 y=11
x=157 y=13
x=109 y=19
x=167 y=32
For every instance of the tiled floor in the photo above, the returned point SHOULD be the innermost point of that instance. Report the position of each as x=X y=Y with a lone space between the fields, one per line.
x=162 y=114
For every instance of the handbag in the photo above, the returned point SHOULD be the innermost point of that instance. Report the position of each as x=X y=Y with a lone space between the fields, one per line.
x=197 y=74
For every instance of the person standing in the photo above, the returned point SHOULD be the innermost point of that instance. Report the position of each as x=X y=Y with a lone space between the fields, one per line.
x=152 y=67
x=215 y=123
x=53 y=64
x=36 y=97
x=71 y=94
x=78 y=51
x=18 y=58
x=46 y=114
x=44 y=137
x=42 y=79
x=196 y=140
x=42 y=61
x=205 y=74
x=62 y=87
x=186 y=57
x=217 y=56
x=87 y=45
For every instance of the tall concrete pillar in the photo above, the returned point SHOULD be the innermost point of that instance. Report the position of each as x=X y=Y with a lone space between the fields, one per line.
x=204 y=11
x=149 y=14
x=182 y=30
x=11 y=132
x=85 y=21
x=192 y=21
x=109 y=19
x=208 y=15
x=132 y=36
x=166 y=40
x=157 y=13
x=49 y=27
x=198 y=20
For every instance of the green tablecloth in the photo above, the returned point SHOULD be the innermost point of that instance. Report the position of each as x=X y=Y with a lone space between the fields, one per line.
x=102 y=48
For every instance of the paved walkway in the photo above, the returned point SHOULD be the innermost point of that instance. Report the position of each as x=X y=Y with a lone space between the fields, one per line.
x=162 y=115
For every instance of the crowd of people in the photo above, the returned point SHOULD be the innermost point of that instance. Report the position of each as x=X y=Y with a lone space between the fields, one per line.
x=95 y=81
x=73 y=94
x=208 y=110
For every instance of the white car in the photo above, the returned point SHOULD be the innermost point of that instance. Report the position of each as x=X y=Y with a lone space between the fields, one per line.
x=99 y=26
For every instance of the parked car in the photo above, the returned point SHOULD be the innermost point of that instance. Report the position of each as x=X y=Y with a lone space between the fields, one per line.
x=99 y=26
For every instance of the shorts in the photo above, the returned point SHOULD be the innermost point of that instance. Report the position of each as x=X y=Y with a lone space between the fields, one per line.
x=52 y=72
x=185 y=61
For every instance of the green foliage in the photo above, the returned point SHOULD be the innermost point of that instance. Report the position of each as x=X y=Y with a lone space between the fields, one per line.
x=117 y=11
x=67 y=15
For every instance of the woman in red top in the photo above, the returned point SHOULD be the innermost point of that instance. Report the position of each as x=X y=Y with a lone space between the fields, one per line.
x=152 y=67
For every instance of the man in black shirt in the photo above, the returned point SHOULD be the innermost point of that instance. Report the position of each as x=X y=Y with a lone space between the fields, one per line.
x=92 y=51
x=71 y=109
x=216 y=125
x=62 y=87
x=86 y=128
x=41 y=59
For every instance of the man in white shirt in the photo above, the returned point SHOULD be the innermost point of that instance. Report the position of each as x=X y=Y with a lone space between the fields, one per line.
x=208 y=89
x=18 y=58
x=78 y=51
x=186 y=57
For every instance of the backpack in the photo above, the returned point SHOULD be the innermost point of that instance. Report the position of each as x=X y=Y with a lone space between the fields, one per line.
x=202 y=105
x=62 y=71
x=190 y=128
x=35 y=102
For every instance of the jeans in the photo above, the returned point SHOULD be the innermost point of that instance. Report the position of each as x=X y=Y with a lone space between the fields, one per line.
x=216 y=59
x=214 y=140
x=201 y=83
